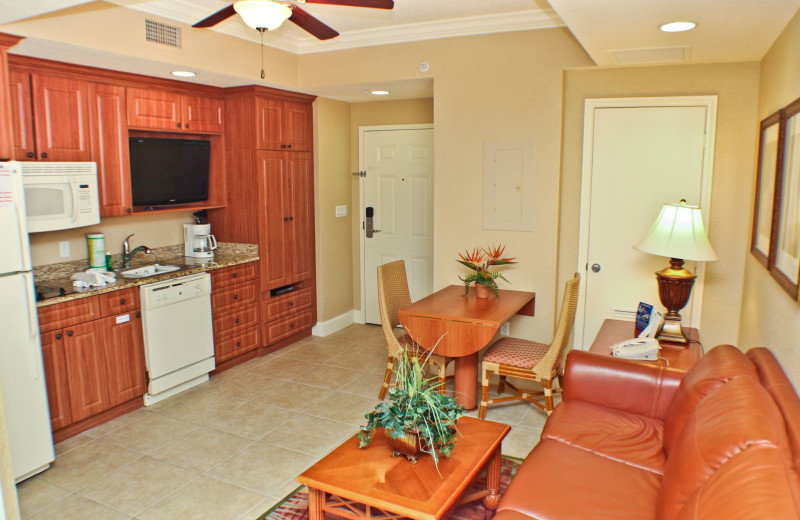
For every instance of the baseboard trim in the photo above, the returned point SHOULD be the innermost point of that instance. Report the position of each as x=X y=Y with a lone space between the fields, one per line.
x=326 y=328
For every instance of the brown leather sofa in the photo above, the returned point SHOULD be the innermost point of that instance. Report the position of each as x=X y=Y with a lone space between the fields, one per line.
x=635 y=440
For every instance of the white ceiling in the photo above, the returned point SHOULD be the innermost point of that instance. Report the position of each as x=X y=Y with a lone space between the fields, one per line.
x=741 y=30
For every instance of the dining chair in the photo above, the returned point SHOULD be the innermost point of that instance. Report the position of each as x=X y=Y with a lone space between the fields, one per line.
x=393 y=295
x=530 y=360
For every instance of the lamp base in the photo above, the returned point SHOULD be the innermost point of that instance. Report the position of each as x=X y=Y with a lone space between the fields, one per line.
x=674 y=288
x=671 y=330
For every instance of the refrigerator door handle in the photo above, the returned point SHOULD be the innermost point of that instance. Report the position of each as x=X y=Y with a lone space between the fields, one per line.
x=34 y=355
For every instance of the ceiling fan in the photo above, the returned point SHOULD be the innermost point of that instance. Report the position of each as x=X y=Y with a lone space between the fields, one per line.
x=268 y=15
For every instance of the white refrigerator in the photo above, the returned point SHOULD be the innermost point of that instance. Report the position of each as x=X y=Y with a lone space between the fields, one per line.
x=21 y=371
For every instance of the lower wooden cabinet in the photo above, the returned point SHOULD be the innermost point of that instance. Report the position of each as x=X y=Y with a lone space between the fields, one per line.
x=234 y=305
x=92 y=366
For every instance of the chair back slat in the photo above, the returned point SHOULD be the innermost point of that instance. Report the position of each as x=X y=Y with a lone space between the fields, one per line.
x=393 y=295
x=551 y=362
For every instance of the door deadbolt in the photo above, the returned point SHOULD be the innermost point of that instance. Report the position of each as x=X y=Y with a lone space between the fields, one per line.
x=595 y=268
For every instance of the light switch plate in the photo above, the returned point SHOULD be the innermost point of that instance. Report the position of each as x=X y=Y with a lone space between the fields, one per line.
x=64 y=248
x=341 y=211
x=505 y=329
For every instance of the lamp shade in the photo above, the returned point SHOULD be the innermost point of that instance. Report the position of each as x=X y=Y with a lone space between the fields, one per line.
x=678 y=232
x=262 y=14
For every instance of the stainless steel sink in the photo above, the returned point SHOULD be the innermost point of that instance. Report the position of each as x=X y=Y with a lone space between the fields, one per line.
x=149 y=270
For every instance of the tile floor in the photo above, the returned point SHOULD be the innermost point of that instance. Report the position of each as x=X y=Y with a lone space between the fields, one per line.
x=231 y=447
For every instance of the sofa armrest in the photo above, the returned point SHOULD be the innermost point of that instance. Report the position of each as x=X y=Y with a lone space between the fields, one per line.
x=622 y=384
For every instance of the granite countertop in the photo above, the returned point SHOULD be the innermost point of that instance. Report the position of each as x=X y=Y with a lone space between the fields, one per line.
x=59 y=275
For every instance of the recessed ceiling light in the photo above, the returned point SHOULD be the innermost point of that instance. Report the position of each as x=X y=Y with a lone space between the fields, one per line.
x=678 y=26
x=183 y=73
x=379 y=92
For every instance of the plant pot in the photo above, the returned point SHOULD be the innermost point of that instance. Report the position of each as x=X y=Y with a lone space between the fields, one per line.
x=407 y=445
x=482 y=291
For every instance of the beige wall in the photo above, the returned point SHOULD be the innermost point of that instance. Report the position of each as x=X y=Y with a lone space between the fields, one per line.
x=736 y=88
x=332 y=188
x=376 y=113
x=502 y=86
x=769 y=317
x=157 y=230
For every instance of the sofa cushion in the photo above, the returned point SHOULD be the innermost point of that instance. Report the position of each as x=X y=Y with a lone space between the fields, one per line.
x=561 y=481
x=718 y=366
x=734 y=418
x=625 y=437
x=753 y=484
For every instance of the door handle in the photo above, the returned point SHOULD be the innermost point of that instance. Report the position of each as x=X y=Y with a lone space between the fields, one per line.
x=368 y=225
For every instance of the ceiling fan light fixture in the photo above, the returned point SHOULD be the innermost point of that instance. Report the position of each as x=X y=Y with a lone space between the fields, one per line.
x=677 y=26
x=262 y=14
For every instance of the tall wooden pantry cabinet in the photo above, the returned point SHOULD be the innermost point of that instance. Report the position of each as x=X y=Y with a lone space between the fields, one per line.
x=270 y=188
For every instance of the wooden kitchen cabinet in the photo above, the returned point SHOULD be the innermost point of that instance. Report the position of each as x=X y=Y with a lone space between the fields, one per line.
x=155 y=109
x=234 y=306
x=21 y=115
x=286 y=182
x=93 y=356
x=6 y=122
x=61 y=118
x=109 y=138
x=282 y=125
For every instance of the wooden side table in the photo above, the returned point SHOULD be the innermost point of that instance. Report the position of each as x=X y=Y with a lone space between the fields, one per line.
x=674 y=355
x=368 y=483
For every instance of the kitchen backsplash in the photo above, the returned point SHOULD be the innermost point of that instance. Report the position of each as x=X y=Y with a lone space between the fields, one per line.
x=153 y=230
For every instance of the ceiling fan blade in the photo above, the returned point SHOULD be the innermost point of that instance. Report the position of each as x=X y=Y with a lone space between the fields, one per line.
x=214 y=19
x=311 y=24
x=375 y=4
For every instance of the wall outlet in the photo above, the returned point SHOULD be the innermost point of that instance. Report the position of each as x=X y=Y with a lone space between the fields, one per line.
x=64 y=248
x=505 y=329
x=341 y=211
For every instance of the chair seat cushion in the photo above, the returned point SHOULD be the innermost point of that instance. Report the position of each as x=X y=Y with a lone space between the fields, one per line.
x=560 y=481
x=629 y=438
x=516 y=352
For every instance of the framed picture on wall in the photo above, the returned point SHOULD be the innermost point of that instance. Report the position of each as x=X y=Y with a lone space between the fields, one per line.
x=769 y=155
x=784 y=261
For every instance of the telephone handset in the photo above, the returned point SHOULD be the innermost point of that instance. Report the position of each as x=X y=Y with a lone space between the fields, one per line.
x=637 y=348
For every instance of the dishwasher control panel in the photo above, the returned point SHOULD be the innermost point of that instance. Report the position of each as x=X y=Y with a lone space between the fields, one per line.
x=175 y=290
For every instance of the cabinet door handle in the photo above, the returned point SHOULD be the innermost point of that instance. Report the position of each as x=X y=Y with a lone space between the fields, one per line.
x=58 y=336
x=291 y=304
x=138 y=314
x=179 y=125
x=122 y=301
x=283 y=146
x=29 y=154
x=288 y=146
x=291 y=325
x=235 y=296
x=186 y=125
x=44 y=155
x=128 y=210
x=238 y=343
x=236 y=320
x=291 y=218
x=286 y=219
x=234 y=275
x=69 y=333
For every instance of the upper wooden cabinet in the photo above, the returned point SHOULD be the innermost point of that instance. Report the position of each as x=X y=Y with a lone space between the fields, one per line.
x=282 y=125
x=154 y=109
x=50 y=117
x=109 y=134
x=6 y=124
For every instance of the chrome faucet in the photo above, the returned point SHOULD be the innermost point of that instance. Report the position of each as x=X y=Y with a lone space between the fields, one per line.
x=127 y=253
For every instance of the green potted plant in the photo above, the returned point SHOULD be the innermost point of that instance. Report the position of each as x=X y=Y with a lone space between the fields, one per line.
x=485 y=280
x=416 y=417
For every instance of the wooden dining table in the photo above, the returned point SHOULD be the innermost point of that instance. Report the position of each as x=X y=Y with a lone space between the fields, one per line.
x=457 y=325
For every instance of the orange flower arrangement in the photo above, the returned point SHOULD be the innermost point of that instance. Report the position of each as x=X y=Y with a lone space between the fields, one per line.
x=481 y=274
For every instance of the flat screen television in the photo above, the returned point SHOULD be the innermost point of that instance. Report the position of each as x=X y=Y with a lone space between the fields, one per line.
x=168 y=171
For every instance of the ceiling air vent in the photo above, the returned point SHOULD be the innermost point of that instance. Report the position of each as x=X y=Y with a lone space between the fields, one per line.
x=162 y=33
x=651 y=55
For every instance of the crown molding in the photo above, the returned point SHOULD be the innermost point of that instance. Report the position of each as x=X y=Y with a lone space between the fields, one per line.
x=185 y=12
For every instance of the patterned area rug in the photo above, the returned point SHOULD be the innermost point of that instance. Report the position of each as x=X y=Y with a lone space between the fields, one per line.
x=295 y=506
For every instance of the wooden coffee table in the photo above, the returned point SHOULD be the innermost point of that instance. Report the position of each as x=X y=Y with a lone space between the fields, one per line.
x=369 y=483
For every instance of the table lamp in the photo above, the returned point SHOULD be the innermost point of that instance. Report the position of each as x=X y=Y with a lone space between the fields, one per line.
x=678 y=234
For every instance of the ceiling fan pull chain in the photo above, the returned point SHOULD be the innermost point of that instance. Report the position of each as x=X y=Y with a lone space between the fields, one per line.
x=261 y=30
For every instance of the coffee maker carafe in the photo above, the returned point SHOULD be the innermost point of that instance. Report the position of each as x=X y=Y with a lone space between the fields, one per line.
x=198 y=241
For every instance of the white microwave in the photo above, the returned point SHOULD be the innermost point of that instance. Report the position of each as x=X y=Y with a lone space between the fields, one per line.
x=60 y=195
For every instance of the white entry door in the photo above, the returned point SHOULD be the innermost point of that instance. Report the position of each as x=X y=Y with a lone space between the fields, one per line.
x=398 y=187
x=636 y=158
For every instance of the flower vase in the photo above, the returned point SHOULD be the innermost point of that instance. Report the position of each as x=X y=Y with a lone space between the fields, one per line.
x=482 y=291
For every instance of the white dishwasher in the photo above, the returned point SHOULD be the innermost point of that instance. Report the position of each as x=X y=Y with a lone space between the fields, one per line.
x=178 y=334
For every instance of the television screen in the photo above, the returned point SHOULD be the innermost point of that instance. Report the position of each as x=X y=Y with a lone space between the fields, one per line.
x=168 y=171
